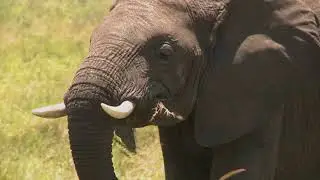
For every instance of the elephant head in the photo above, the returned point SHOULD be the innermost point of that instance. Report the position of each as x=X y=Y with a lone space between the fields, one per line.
x=161 y=61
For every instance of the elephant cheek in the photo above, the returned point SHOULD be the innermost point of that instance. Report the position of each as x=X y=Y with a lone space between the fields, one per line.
x=91 y=146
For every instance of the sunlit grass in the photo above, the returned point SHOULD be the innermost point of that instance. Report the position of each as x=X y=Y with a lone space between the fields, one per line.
x=41 y=45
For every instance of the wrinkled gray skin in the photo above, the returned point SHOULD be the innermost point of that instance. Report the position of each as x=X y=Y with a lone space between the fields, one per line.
x=224 y=80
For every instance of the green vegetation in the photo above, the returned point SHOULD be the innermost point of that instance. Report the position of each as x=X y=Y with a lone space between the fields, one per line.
x=42 y=42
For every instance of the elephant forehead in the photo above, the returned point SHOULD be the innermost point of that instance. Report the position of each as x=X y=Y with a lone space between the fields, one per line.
x=137 y=21
x=148 y=14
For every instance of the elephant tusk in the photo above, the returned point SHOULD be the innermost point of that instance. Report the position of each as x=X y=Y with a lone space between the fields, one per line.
x=231 y=174
x=119 y=112
x=52 y=111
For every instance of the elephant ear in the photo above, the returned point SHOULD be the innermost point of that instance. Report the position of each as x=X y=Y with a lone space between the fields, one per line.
x=254 y=64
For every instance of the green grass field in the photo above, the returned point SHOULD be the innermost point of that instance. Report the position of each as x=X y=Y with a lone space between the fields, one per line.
x=42 y=42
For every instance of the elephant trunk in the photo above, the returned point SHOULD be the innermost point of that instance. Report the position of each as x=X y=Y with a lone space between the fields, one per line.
x=91 y=146
x=90 y=129
x=90 y=134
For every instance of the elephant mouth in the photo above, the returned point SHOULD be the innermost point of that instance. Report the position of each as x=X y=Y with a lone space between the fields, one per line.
x=138 y=113
x=154 y=106
x=164 y=115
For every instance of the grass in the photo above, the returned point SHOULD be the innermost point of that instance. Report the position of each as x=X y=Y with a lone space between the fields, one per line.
x=42 y=42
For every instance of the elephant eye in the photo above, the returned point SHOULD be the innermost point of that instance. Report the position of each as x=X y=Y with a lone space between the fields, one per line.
x=165 y=50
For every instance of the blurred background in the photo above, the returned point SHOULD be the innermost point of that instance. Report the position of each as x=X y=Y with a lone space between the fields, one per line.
x=42 y=43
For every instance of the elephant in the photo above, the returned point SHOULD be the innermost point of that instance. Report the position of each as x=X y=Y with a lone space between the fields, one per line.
x=231 y=84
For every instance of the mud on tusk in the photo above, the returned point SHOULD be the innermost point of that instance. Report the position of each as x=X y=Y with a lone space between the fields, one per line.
x=52 y=111
x=119 y=112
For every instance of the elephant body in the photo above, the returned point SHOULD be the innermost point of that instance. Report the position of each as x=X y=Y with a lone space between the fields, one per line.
x=296 y=151
x=286 y=146
x=231 y=84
